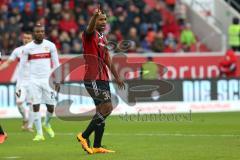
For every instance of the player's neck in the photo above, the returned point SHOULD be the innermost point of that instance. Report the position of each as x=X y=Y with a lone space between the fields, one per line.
x=38 y=41
x=100 y=32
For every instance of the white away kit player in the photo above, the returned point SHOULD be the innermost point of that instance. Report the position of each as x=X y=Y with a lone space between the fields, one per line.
x=22 y=92
x=40 y=54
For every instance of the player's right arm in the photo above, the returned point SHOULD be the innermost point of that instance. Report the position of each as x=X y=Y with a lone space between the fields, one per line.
x=11 y=59
x=5 y=64
x=92 y=24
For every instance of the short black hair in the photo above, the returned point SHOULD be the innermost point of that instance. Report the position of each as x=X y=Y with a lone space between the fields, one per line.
x=27 y=32
x=149 y=58
x=38 y=25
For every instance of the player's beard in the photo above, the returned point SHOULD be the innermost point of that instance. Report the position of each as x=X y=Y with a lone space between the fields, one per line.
x=101 y=28
x=38 y=41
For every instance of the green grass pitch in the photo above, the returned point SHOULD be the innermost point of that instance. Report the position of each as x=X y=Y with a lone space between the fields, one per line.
x=208 y=136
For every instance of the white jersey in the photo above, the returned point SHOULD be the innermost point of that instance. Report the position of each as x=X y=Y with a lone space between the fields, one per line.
x=23 y=71
x=40 y=57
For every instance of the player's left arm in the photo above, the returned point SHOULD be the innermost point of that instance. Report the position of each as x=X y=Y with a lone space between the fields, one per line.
x=56 y=64
x=113 y=70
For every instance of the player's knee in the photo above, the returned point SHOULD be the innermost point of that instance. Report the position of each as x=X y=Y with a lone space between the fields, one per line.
x=36 y=108
x=106 y=109
x=110 y=108
x=50 y=108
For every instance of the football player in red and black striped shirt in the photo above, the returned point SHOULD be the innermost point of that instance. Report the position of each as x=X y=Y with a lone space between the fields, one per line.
x=96 y=80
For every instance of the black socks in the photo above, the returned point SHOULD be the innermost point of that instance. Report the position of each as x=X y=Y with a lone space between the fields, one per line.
x=97 y=119
x=99 y=130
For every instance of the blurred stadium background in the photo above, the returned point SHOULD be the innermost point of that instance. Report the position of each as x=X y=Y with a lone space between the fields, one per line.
x=196 y=40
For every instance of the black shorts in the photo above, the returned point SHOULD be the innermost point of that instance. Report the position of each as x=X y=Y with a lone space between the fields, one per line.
x=99 y=91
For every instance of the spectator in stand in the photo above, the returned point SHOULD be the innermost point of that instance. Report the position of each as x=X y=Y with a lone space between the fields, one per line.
x=134 y=38
x=121 y=22
x=158 y=42
x=171 y=4
x=4 y=12
x=133 y=12
x=170 y=43
x=13 y=40
x=147 y=43
x=149 y=19
x=55 y=13
x=28 y=17
x=118 y=34
x=40 y=8
x=150 y=36
x=17 y=15
x=228 y=66
x=4 y=2
x=55 y=38
x=12 y=26
x=68 y=23
x=187 y=38
x=65 y=42
x=3 y=29
x=77 y=44
x=21 y=4
x=181 y=13
x=170 y=26
x=80 y=10
x=81 y=23
x=136 y=23
x=234 y=35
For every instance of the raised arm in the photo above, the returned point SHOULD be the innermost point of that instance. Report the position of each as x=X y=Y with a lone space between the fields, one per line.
x=92 y=24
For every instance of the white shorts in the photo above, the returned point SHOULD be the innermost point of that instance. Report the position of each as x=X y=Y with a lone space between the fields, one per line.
x=22 y=93
x=41 y=92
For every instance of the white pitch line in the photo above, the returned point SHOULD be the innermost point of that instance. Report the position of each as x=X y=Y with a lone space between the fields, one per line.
x=12 y=157
x=173 y=134
x=148 y=134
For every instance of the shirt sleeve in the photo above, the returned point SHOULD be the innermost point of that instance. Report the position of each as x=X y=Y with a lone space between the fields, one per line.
x=14 y=54
x=24 y=58
x=56 y=64
x=54 y=55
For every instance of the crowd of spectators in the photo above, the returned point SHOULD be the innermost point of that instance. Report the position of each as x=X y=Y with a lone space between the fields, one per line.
x=65 y=20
